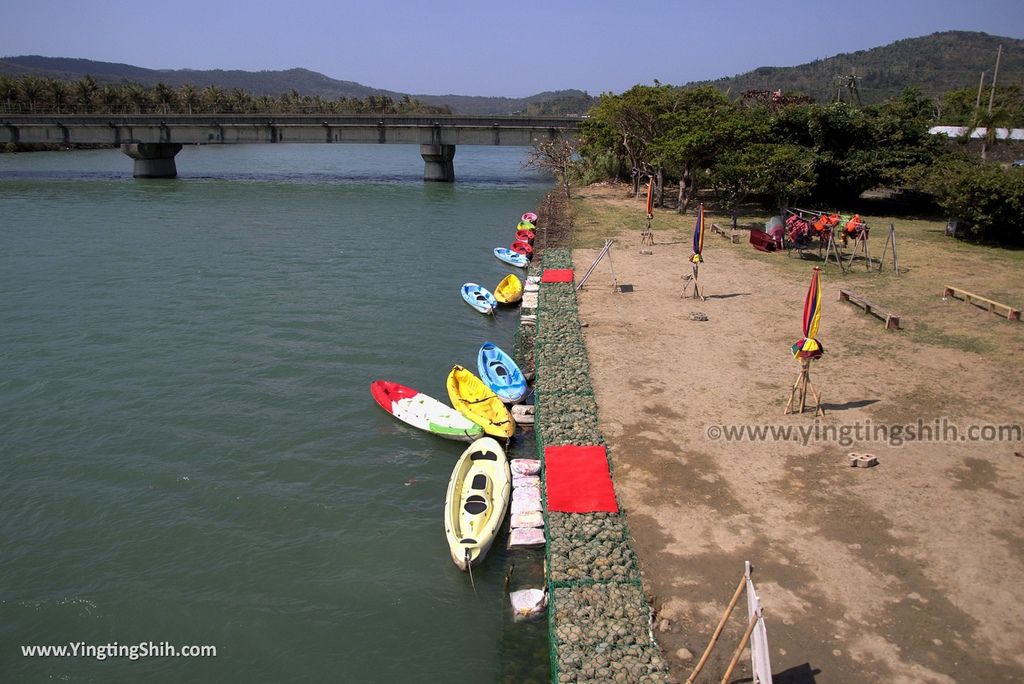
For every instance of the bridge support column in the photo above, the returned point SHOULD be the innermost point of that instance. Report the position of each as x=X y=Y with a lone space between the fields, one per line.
x=437 y=162
x=153 y=160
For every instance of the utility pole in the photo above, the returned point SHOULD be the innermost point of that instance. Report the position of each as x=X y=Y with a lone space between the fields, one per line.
x=981 y=83
x=995 y=75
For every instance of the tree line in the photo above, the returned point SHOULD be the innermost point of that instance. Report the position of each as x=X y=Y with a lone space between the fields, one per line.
x=31 y=94
x=786 y=150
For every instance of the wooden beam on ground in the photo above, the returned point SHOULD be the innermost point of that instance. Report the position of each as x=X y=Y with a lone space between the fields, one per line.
x=732 y=235
x=892 y=321
x=989 y=305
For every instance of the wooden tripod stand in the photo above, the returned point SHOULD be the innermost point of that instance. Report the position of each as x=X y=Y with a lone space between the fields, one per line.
x=800 y=389
x=891 y=240
x=647 y=235
x=691 y=279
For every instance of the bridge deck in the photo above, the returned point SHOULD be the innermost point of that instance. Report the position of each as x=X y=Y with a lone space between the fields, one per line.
x=267 y=128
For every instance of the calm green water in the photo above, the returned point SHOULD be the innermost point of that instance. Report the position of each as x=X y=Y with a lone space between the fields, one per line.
x=189 y=449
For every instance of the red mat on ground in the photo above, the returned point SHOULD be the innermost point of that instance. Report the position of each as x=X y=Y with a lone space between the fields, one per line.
x=578 y=480
x=556 y=275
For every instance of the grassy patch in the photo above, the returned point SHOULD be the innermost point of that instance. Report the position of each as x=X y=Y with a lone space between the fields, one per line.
x=928 y=260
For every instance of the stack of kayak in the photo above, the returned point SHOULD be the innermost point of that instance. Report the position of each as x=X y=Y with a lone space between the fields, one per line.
x=510 y=289
x=520 y=251
x=480 y=487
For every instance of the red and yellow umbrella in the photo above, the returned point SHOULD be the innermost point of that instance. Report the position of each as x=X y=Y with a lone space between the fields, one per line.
x=698 y=237
x=808 y=347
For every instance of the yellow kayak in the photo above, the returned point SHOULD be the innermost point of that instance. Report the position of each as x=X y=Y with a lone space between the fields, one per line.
x=477 y=499
x=475 y=400
x=509 y=290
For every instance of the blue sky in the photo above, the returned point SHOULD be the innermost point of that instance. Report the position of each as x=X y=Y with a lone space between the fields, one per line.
x=512 y=48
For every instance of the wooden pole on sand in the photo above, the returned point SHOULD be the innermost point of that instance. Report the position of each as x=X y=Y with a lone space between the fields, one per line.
x=739 y=649
x=718 y=631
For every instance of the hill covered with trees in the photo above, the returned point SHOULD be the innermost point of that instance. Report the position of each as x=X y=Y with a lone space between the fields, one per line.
x=303 y=83
x=935 y=64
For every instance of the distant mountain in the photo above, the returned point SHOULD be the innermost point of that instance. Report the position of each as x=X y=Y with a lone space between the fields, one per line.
x=275 y=83
x=936 y=64
x=555 y=103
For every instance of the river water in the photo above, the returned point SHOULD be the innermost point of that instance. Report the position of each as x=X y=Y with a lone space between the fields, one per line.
x=189 y=450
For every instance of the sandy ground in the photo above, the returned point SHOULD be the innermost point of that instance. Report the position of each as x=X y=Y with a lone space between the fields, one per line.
x=912 y=571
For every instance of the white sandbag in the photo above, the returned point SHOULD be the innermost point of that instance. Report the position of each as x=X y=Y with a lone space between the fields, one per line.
x=526 y=494
x=528 y=603
x=525 y=466
x=525 y=481
x=531 y=519
x=525 y=536
x=523 y=414
x=523 y=506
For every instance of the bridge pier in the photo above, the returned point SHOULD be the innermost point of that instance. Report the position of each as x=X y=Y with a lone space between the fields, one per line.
x=437 y=162
x=153 y=160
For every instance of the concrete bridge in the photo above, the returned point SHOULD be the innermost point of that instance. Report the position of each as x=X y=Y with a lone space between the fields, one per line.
x=153 y=140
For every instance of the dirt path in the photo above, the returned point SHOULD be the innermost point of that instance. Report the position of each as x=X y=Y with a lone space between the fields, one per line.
x=912 y=571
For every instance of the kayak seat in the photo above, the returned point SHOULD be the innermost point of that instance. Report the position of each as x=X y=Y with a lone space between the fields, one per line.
x=484 y=456
x=479 y=481
x=475 y=504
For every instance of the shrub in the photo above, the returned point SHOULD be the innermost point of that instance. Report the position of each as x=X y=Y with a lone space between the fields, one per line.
x=988 y=199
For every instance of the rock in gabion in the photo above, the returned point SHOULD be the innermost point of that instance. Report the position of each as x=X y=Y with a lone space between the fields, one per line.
x=574 y=560
x=589 y=526
x=563 y=371
x=570 y=419
x=615 y=615
x=557 y=257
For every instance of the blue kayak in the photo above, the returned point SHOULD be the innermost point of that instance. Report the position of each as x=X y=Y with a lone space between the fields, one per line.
x=510 y=257
x=480 y=298
x=500 y=373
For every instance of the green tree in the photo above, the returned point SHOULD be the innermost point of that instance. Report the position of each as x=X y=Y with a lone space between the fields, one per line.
x=30 y=91
x=164 y=97
x=628 y=124
x=137 y=98
x=735 y=177
x=900 y=139
x=58 y=92
x=85 y=93
x=213 y=99
x=8 y=92
x=784 y=171
x=700 y=124
x=111 y=99
x=188 y=96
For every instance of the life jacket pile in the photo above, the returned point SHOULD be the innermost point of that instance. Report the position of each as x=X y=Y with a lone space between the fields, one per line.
x=798 y=231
